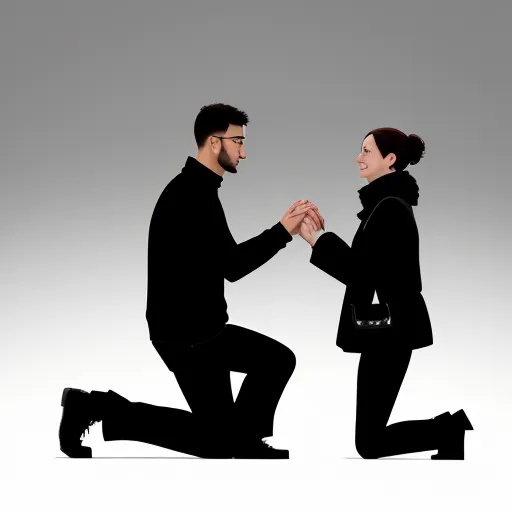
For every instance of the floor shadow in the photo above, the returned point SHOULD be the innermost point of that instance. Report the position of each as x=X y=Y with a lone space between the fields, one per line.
x=388 y=458
x=191 y=458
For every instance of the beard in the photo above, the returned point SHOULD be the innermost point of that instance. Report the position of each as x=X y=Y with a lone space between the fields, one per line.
x=225 y=162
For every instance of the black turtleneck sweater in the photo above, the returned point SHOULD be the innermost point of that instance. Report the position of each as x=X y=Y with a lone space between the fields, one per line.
x=384 y=257
x=187 y=268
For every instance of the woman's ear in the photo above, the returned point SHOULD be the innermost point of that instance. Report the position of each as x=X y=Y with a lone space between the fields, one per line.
x=391 y=159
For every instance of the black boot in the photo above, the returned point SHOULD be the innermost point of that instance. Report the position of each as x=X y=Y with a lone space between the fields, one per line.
x=258 y=449
x=79 y=412
x=452 y=430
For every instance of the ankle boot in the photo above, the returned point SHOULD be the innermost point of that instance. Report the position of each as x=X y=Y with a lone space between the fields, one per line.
x=452 y=430
x=79 y=411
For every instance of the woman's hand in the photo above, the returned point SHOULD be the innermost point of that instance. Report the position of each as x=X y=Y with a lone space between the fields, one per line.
x=309 y=228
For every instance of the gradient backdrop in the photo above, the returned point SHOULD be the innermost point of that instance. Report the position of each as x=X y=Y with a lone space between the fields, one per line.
x=98 y=100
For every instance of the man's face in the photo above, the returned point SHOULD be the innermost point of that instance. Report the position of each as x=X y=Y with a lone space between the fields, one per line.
x=232 y=150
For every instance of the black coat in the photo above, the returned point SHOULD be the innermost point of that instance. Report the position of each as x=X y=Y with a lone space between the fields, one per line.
x=383 y=258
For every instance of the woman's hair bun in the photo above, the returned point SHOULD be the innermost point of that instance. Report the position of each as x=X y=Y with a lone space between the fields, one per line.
x=416 y=148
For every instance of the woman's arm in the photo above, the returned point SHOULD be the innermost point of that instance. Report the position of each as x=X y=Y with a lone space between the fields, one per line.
x=390 y=254
x=334 y=256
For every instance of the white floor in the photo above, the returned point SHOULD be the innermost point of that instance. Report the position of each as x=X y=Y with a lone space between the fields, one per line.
x=134 y=476
x=324 y=472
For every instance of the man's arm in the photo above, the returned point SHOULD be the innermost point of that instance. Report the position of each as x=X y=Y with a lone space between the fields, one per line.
x=241 y=259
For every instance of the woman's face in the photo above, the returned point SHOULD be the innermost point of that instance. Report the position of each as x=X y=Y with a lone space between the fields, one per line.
x=371 y=163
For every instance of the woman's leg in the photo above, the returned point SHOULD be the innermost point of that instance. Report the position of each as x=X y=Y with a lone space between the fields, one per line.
x=379 y=378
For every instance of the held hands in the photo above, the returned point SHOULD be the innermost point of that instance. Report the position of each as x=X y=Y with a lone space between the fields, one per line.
x=300 y=212
x=309 y=229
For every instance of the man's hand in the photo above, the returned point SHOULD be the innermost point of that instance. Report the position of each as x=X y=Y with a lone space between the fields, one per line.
x=309 y=228
x=296 y=213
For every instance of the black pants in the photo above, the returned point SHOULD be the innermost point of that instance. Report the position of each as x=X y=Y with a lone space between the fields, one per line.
x=379 y=379
x=203 y=374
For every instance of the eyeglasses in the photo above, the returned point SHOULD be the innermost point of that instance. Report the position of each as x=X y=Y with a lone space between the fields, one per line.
x=237 y=140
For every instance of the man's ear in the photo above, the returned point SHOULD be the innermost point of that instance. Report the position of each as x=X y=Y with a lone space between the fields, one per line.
x=214 y=144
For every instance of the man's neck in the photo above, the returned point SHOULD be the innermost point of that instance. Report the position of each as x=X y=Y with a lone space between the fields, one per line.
x=210 y=163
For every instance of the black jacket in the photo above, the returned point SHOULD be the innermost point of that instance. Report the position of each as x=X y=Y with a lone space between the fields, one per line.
x=383 y=258
x=191 y=252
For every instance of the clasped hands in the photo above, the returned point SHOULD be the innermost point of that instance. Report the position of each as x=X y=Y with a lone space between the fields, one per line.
x=303 y=217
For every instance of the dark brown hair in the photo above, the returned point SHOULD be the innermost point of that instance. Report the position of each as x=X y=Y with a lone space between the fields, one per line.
x=408 y=149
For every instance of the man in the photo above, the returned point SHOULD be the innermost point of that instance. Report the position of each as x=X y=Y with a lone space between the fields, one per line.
x=187 y=317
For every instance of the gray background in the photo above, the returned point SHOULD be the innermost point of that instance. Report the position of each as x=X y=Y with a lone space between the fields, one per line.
x=98 y=100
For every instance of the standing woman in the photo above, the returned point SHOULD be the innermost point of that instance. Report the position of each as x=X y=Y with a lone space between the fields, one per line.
x=384 y=258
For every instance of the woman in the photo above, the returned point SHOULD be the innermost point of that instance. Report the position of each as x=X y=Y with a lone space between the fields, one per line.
x=384 y=258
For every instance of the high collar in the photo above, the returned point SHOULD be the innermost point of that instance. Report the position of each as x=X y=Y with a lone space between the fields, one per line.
x=197 y=171
x=398 y=183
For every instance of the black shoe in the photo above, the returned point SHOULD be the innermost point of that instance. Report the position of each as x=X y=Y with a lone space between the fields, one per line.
x=77 y=417
x=259 y=450
x=453 y=430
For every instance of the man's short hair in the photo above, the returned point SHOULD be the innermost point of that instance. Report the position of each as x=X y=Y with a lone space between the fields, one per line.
x=216 y=118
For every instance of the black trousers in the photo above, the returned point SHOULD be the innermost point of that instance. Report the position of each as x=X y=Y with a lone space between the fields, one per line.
x=379 y=378
x=203 y=374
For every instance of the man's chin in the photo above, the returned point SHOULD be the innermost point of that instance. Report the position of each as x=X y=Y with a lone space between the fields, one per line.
x=232 y=170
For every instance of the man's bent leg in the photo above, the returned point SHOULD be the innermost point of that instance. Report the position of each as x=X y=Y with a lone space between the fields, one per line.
x=169 y=428
x=123 y=420
x=204 y=379
x=268 y=365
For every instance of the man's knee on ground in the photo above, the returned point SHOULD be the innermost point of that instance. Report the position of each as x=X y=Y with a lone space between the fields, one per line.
x=367 y=445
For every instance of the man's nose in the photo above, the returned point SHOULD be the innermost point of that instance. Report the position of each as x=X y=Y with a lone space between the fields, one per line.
x=242 y=153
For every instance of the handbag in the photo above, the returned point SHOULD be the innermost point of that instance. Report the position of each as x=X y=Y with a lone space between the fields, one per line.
x=374 y=324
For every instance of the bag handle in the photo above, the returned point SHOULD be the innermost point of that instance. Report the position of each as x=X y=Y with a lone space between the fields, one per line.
x=409 y=208
x=405 y=203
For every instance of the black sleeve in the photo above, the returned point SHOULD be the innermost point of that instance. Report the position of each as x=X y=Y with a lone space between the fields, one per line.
x=390 y=250
x=241 y=259
x=334 y=256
